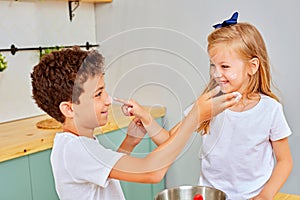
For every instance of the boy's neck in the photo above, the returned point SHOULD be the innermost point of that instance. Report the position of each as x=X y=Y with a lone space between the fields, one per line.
x=69 y=131
x=68 y=126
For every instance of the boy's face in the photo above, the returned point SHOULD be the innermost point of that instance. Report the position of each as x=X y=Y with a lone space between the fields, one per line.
x=92 y=111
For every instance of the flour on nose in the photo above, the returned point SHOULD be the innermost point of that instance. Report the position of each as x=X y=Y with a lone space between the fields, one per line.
x=217 y=75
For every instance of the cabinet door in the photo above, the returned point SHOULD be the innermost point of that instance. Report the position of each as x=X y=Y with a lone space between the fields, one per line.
x=133 y=191
x=42 y=181
x=15 y=179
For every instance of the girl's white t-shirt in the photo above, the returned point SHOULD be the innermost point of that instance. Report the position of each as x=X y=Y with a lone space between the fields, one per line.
x=81 y=167
x=237 y=155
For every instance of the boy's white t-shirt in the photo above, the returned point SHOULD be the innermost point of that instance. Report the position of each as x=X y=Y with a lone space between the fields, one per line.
x=81 y=167
x=237 y=155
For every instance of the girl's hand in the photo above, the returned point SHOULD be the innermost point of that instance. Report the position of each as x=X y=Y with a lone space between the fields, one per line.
x=132 y=108
x=208 y=105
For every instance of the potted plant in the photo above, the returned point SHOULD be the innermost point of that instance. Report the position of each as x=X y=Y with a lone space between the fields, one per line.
x=49 y=50
x=3 y=63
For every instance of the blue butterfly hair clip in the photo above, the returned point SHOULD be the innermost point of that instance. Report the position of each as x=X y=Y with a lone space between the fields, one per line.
x=232 y=20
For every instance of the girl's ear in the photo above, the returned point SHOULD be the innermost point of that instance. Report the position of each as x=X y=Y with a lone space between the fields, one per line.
x=254 y=64
x=66 y=109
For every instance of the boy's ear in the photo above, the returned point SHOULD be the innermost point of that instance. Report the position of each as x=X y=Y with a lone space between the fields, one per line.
x=66 y=109
x=254 y=64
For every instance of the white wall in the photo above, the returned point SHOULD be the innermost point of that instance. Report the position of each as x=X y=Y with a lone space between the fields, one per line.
x=155 y=53
x=34 y=24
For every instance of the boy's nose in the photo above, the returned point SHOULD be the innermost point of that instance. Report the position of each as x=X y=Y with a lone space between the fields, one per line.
x=108 y=100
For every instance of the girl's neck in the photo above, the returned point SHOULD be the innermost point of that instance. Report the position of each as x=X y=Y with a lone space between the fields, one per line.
x=246 y=103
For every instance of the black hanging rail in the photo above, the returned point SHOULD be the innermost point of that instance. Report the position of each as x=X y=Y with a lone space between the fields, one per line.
x=13 y=49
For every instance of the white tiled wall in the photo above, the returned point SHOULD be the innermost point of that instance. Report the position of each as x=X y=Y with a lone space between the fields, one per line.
x=34 y=24
x=156 y=54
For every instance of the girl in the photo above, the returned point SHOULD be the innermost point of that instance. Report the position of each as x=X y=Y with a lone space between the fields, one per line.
x=241 y=142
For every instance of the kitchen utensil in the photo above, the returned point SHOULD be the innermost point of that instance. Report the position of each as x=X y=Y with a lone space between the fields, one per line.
x=189 y=192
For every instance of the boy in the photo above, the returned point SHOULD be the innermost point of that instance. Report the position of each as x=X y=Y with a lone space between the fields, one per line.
x=69 y=86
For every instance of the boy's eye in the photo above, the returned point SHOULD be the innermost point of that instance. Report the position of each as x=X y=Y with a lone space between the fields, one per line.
x=212 y=65
x=98 y=94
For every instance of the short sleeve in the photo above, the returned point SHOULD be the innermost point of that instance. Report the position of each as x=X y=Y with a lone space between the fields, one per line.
x=88 y=161
x=279 y=127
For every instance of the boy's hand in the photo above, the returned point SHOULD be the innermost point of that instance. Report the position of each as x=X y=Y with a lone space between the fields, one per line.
x=135 y=132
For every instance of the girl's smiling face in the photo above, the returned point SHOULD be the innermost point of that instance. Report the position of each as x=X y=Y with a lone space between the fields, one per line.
x=228 y=69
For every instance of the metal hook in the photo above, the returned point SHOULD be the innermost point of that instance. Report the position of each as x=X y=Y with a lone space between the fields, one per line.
x=13 y=49
x=87 y=45
x=41 y=51
x=71 y=9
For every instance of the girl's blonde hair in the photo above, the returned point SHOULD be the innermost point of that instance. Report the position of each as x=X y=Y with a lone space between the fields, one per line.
x=248 y=43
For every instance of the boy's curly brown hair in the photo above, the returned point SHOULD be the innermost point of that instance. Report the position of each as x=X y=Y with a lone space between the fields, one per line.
x=60 y=76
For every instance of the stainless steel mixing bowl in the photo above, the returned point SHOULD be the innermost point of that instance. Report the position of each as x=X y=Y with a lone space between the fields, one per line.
x=189 y=192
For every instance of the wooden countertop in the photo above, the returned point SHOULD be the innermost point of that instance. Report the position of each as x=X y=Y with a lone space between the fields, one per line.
x=282 y=196
x=22 y=137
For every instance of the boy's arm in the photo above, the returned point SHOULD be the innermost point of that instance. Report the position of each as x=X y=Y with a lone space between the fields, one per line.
x=282 y=170
x=134 y=136
x=153 y=167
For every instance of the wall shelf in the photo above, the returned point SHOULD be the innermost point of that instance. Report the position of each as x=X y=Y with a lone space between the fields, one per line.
x=97 y=1
x=87 y=1
x=72 y=4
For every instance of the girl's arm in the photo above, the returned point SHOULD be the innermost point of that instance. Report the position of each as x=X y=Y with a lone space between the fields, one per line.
x=282 y=170
x=158 y=134
x=130 y=108
x=153 y=167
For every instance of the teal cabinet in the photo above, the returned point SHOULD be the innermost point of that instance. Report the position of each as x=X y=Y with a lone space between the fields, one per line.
x=42 y=182
x=133 y=191
x=15 y=179
x=30 y=177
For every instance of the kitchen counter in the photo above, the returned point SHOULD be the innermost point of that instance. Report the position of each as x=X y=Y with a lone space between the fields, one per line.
x=282 y=196
x=22 y=137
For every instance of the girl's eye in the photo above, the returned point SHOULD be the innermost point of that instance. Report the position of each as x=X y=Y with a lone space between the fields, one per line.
x=212 y=65
x=225 y=66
